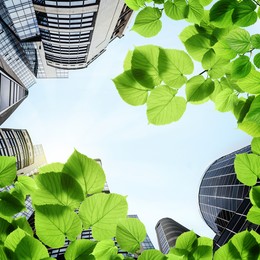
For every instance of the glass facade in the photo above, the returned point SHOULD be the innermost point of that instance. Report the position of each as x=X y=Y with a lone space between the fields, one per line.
x=167 y=231
x=223 y=200
x=16 y=142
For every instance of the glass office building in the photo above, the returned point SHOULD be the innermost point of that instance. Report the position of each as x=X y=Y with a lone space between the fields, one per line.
x=167 y=231
x=223 y=200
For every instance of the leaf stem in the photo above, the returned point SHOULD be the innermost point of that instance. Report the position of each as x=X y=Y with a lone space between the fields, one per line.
x=203 y=72
x=256 y=2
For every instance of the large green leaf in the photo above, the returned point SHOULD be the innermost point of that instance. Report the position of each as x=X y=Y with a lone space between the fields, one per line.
x=247 y=168
x=255 y=40
x=254 y=215
x=250 y=83
x=186 y=240
x=224 y=252
x=152 y=254
x=80 y=250
x=130 y=232
x=239 y=40
x=205 y=2
x=241 y=67
x=52 y=167
x=221 y=13
x=198 y=89
x=2 y=253
x=55 y=222
x=257 y=60
x=135 y=4
x=22 y=223
x=222 y=49
x=128 y=59
x=86 y=171
x=226 y=100
x=197 y=46
x=255 y=146
x=102 y=212
x=245 y=108
x=145 y=65
x=130 y=90
x=176 y=10
x=246 y=245
x=244 y=14
x=163 y=107
x=58 y=188
x=173 y=65
x=9 y=204
x=105 y=250
x=203 y=252
x=14 y=238
x=187 y=33
x=251 y=122
x=147 y=22
x=5 y=229
x=31 y=248
x=26 y=184
x=255 y=196
x=7 y=170
x=196 y=11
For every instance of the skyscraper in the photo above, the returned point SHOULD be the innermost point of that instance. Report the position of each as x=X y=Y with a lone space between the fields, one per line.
x=223 y=200
x=167 y=231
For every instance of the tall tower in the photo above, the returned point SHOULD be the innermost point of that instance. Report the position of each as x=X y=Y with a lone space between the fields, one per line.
x=223 y=200
x=167 y=231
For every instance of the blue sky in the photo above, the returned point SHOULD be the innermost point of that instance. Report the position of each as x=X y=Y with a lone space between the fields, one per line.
x=158 y=167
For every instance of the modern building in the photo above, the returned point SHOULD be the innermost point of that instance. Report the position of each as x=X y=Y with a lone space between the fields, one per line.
x=74 y=33
x=17 y=142
x=223 y=200
x=167 y=231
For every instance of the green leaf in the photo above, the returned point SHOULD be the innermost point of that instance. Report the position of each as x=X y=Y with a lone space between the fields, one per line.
x=163 y=107
x=145 y=65
x=250 y=83
x=255 y=196
x=127 y=61
x=222 y=49
x=198 y=89
x=102 y=212
x=244 y=14
x=187 y=33
x=197 y=46
x=239 y=40
x=255 y=40
x=152 y=254
x=58 y=188
x=203 y=252
x=257 y=60
x=130 y=90
x=22 y=223
x=246 y=244
x=7 y=170
x=254 y=215
x=205 y=241
x=205 y=2
x=178 y=254
x=196 y=11
x=80 y=250
x=130 y=232
x=14 y=238
x=186 y=240
x=31 y=248
x=255 y=146
x=239 y=107
x=224 y=252
x=247 y=168
x=240 y=67
x=9 y=204
x=135 y=4
x=105 y=250
x=55 y=222
x=52 y=167
x=245 y=108
x=2 y=254
x=173 y=65
x=147 y=22
x=221 y=13
x=251 y=122
x=5 y=229
x=226 y=100
x=26 y=184
x=86 y=171
x=176 y=10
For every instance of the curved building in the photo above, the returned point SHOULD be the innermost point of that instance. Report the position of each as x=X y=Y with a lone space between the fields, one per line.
x=167 y=231
x=220 y=192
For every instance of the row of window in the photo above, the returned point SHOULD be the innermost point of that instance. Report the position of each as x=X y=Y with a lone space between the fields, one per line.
x=70 y=3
